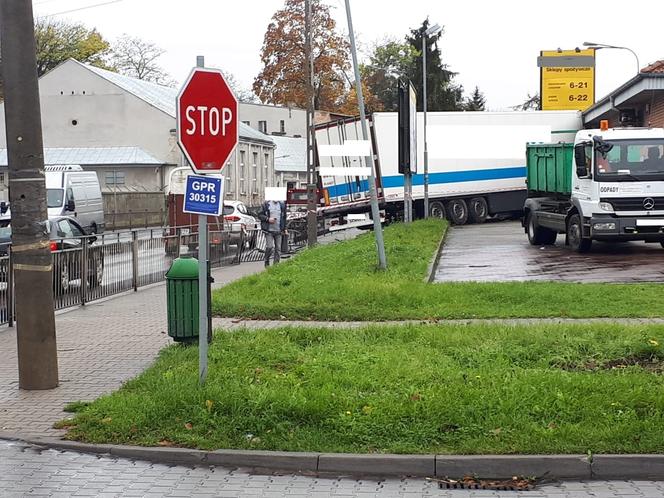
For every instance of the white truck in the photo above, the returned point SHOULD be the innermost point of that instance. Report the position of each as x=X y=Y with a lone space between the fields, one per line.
x=70 y=191
x=607 y=186
x=476 y=164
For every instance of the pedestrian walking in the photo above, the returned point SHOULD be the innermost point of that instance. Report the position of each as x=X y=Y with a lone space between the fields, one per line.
x=273 y=224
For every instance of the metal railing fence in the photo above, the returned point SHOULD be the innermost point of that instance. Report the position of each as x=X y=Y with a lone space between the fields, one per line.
x=90 y=268
x=254 y=242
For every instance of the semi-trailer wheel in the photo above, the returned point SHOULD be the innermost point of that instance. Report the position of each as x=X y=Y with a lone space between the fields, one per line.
x=457 y=211
x=478 y=210
x=437 y=210
x=537 y=235
x=575 y=237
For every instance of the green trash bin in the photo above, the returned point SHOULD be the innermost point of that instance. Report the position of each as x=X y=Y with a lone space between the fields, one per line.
x=182 y=299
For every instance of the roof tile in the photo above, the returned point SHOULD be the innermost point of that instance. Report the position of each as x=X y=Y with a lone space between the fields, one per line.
x=90 y=156
x=655 y=67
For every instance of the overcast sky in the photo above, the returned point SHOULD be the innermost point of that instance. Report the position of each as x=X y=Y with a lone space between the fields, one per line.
x=491 y=44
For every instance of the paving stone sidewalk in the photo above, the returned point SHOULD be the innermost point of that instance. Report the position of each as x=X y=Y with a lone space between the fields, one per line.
x=100 y=346
x=31 y=471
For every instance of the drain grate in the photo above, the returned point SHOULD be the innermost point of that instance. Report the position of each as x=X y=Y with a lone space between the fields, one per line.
x=469 y=482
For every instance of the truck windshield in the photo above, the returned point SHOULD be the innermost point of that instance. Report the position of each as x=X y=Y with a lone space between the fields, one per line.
x=54 y=197
x=631 y=160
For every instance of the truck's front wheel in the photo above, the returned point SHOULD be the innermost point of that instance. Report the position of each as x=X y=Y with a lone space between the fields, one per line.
x=575 y=237
x=538 y=235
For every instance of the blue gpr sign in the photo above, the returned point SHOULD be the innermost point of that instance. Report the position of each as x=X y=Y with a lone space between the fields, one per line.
x=203 y=195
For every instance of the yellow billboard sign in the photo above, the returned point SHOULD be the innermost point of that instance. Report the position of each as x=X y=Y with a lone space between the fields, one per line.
x=567 y=79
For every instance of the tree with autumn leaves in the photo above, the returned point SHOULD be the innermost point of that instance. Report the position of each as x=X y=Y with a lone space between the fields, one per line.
x=283 y=79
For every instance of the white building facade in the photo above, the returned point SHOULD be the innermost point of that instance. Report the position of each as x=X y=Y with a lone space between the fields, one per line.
x=88 y=112
x=274 y=120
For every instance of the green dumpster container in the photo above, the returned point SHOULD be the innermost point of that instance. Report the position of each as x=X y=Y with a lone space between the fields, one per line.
x=182 y=299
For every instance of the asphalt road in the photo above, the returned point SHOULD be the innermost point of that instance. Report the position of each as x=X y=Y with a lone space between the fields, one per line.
x=499 y=251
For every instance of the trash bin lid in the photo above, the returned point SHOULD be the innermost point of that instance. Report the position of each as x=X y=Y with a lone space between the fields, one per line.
x=183 y=268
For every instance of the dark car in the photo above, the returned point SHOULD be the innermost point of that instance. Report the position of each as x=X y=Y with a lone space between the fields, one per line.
x=68 y=242
x=5 y=236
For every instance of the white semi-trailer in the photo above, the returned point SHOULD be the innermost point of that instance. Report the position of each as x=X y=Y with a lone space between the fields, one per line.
x=476 y=163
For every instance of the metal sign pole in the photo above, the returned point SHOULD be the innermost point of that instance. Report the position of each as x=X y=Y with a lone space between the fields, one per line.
x=375 y=210
x=203 y=285
x=408 y=196
x=424 y=108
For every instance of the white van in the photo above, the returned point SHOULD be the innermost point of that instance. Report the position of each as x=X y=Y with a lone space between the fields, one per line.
x=70 y=191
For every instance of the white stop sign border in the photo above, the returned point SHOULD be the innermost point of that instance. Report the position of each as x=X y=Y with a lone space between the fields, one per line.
x=219 y=113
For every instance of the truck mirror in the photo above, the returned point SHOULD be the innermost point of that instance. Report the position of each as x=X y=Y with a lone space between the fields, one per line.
x=580 y=160
x=71 y=205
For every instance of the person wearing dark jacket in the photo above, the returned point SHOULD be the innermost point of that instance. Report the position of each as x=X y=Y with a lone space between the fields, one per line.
x=273 y=224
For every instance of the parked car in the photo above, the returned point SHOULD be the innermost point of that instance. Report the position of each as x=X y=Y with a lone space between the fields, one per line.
x=239 y=220
x=67 y=239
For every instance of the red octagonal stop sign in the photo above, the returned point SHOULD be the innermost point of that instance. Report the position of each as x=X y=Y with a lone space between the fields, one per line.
x=207 y=120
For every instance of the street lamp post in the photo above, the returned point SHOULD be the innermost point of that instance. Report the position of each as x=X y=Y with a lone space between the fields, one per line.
x=433 y=30
x=598 y=46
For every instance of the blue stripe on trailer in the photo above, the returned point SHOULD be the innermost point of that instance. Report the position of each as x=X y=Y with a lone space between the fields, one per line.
x=434 y=178
x=348 y=188
x=459 y=176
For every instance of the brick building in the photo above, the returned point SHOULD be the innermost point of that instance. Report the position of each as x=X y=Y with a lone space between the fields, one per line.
x=638 y=102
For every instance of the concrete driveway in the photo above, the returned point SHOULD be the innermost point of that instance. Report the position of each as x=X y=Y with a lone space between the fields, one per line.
x=500 y=252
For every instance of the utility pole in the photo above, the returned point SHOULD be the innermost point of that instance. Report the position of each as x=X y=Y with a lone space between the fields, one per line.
x=32 y=260
x=312 y=184
x=375 y=211
x=431 y=31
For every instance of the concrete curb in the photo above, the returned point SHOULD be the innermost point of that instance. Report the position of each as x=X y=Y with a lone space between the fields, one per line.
x=506 y=466
x=574 y=467
x=433 y=264
x=634 y=466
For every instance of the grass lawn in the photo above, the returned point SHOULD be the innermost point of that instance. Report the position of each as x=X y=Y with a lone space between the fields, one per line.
x=417 y=389
x=340 y=282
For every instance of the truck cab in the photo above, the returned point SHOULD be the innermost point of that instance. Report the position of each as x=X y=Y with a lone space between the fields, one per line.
x=616 y=190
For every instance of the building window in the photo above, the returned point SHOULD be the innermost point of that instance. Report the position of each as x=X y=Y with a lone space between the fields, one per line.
x=282 y=126
x=256 y=173
x=114 y=178
x=228 y=187
x=266 y=161
x=248 y=123
x=242 y=172
x=262 y=126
